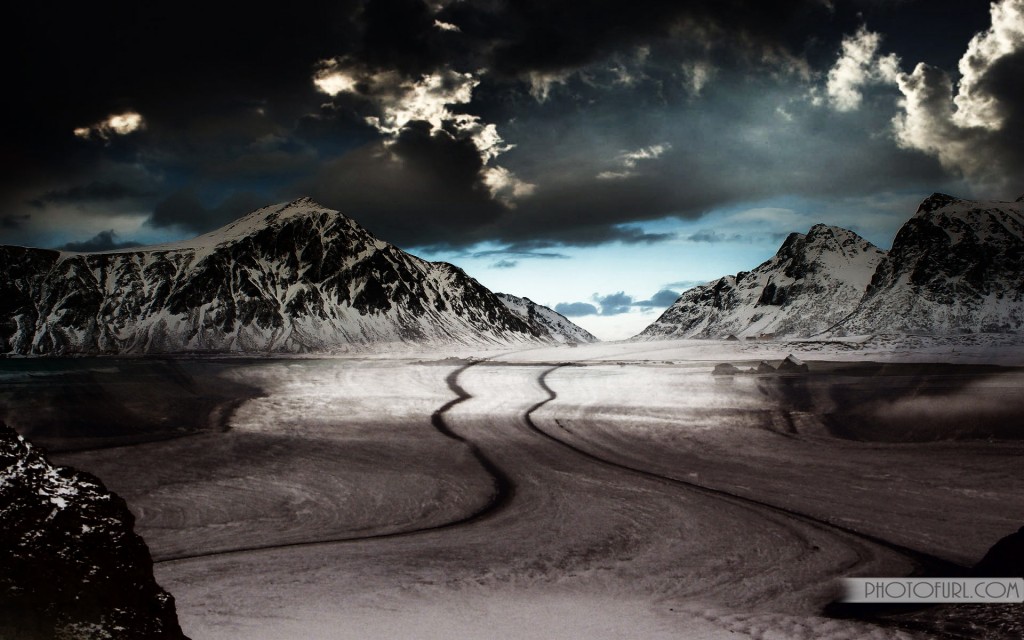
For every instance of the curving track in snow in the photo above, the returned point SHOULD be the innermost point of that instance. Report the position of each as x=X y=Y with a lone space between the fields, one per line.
x=508 y=510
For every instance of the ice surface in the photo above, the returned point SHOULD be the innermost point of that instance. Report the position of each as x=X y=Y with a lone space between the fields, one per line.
x=647 y=499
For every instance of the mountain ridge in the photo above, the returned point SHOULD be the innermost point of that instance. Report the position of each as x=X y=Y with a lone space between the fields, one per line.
x=956 y=266
x=782 y=295
x=289 y=278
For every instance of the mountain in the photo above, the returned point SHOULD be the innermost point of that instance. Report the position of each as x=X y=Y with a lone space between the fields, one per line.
x=810 y=284
x=70 y=564
x=546 y=321
x=293 y=277
x=957 y=266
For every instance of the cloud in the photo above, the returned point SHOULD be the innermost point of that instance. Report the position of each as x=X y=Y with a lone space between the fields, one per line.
x=683 y=285
x=14 y=220
x=976 y=105
x=95 y=191
x=712 y=236
x=102 y=241
x=974 y=127
x=184 y=210
x=698 y=74
x=504 y=264
x=575 y=309
x=613 y=303
x=120 y=124
x=399 y=101
x=618 y=303
x=857 y=66
x=663 y=298
x=629 y=160
x=544 y=39
x=519 y=253
x=445 y=26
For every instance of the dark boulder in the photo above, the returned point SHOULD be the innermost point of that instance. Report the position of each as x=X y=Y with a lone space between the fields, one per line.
x=70 y=564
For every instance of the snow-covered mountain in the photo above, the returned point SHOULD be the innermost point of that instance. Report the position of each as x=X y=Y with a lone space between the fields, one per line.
x=810 y=284
x=70 y=564
x=293 y=277
x=957 y=266
x=546 y=321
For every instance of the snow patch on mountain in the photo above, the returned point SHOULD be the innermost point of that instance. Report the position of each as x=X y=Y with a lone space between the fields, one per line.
x=811 y=283
x=292 y=278
x=546 y=320
x=956 y=267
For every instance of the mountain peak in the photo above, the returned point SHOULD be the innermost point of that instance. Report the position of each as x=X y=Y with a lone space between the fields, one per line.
x=936 y=201
x=290 y=277
x=1021 y=198
x=304 y=201
x=813 y=281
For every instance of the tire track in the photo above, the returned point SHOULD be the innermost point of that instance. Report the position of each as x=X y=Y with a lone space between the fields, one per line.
x=924 y=563
x=503 y=487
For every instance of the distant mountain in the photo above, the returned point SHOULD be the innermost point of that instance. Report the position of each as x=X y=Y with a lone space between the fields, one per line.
x=810 y=284
x=546 y=321
x=957 y=266
x=295 y=277
x=71 y=565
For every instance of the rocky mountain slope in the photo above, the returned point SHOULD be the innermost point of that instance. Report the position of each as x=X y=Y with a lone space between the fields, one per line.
x=813 y=282
x=70 y=564
x=957 y=266
x=296 y=277
x=546 y=321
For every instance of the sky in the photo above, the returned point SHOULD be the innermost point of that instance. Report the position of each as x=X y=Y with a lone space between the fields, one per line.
x=599 y=157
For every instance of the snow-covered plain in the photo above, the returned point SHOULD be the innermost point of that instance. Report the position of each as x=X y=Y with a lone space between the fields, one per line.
x=603 y=491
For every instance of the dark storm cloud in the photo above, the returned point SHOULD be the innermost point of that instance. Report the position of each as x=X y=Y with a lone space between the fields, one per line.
x=90 y=192
x=424 y=189
x=575 y=309
x=540 y=35
x=230 y=107
x=14 y=221
x=102 y=241
x=184 y=209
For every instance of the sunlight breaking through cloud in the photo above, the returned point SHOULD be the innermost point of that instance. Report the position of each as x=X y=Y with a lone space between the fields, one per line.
x=119 y=124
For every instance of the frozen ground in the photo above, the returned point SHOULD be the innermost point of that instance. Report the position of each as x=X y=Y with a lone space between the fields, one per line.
x=604 y=491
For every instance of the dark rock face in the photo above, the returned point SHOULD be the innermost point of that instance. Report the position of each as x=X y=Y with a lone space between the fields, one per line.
x=792 y=364
x=1005 y=559
x=957 y=266
x=70 y=564
x=288 y=278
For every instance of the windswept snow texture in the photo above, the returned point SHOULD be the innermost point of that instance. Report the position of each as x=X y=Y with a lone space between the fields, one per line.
x=956 y=267
x=287 y=278
x=546 y=321
x=813 y=282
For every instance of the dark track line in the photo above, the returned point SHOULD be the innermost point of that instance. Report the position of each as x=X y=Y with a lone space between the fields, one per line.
x=926 y=563
x=504 y=488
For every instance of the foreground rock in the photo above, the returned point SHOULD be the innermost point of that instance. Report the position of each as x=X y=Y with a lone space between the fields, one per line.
x=70 y=564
